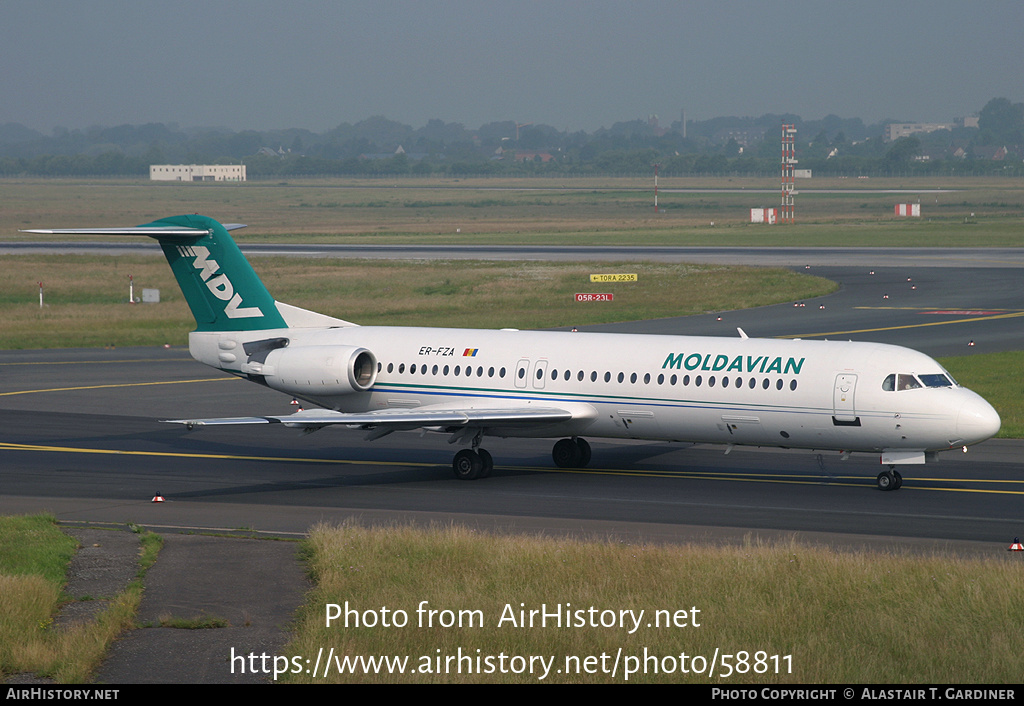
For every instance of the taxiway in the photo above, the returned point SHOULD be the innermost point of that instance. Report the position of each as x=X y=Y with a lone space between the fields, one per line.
x=80 y=436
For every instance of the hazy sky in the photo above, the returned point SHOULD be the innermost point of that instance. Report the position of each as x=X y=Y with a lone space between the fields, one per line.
x=261 y=64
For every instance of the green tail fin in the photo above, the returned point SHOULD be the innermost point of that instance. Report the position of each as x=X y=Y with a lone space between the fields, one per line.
x=219 y=284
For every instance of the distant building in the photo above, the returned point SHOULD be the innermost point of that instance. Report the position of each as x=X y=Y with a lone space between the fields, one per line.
x=413 y=156
x=894 y=131
x=657 y=130
x=533 y=157
x=271 y=152
x=197 y=172
x=994 y=152
x=745 y=137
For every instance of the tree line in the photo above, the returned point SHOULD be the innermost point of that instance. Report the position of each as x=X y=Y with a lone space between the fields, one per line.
x=381 y=147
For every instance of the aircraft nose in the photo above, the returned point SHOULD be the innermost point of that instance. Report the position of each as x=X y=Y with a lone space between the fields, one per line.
x=977 y=420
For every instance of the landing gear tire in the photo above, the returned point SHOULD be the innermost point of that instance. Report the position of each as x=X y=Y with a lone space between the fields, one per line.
x=487 y=463
x=566 y=454
x=584 y=448
x=571 y=453
x=889 y=480
x=468 y=465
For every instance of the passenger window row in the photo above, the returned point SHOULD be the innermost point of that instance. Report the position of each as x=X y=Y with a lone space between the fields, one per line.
x=580 y=375
x=425 y=369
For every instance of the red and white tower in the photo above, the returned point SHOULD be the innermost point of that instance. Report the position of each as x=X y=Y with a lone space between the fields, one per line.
x=788 y=161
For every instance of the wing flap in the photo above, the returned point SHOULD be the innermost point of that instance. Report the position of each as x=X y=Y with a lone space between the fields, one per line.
x=400 y=418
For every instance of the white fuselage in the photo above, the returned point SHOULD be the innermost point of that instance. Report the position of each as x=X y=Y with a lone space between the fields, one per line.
x=743 y=391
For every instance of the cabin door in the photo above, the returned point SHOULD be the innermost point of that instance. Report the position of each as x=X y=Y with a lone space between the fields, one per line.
x=522 y=371
x=540 y=371
x=845 y=411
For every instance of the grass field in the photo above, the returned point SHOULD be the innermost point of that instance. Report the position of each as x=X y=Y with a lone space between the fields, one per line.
x=34 y=558
x=786 y=613
x=773 y=613
x=970 y=212
x=85 y=297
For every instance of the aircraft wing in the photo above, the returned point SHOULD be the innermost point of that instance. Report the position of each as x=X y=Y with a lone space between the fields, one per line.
x=396 y=419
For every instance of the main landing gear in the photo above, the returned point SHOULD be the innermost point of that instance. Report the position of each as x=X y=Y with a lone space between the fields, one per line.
x=470 y=464
x=571 y=453
x=890 y=480
x=473 y=463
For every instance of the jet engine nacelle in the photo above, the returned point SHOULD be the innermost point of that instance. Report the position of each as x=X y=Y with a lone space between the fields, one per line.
x=320 y=370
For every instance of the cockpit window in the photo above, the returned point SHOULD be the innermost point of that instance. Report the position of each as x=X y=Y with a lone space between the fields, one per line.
x=905 y=381
x=936 y=380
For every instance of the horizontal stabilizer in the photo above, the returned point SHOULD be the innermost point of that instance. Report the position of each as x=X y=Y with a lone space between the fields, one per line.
x=151 y=231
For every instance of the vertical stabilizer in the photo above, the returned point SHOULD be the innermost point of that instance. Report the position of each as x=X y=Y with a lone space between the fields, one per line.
x=219 y=284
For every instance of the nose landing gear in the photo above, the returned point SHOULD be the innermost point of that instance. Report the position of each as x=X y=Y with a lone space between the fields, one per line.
x=890 y=480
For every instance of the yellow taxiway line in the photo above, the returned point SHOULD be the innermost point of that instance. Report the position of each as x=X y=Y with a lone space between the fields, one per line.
x=696 y=475
x=123 y=384
x=973 y=319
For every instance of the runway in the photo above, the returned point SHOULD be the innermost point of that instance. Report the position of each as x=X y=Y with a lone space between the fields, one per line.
x=80 y=436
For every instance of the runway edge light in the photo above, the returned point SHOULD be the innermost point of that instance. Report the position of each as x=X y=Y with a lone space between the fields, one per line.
x=1016 y=546
x=158 y=498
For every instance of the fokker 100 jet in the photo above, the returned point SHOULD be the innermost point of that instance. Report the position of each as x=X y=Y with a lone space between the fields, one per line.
x=826 y=395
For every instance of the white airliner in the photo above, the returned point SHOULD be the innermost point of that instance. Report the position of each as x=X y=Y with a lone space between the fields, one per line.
x=824 y=395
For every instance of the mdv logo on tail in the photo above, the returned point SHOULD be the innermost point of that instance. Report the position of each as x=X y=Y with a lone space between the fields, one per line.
x=218 y=284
